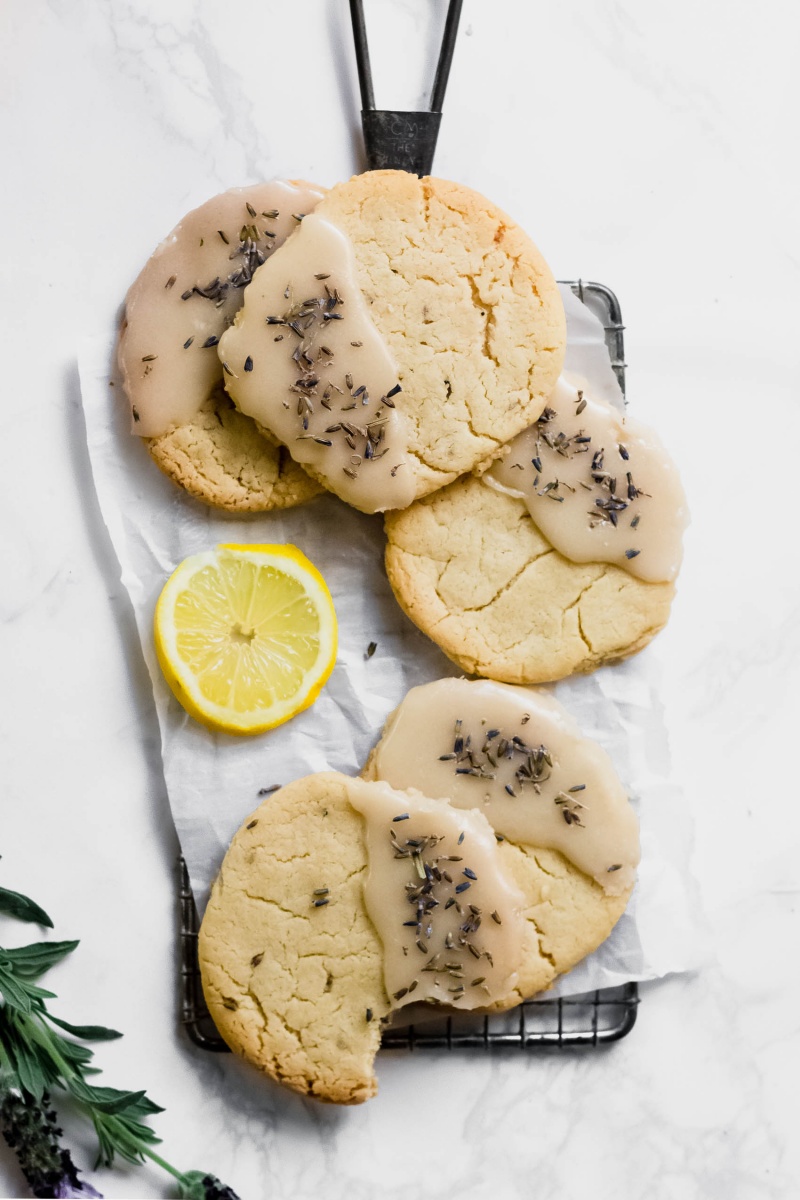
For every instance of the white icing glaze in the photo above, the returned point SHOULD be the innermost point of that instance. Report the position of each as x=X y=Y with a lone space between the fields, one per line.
x=305 y=360
x=599 y=486
x=573 y=803
x=165 y=379
x=449 y=918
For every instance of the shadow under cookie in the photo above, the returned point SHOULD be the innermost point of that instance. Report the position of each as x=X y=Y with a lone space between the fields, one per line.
x=472 y=571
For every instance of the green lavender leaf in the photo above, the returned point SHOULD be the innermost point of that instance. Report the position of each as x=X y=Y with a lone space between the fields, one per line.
x=13 y=992
x=23 y=1058
x=75 y=1054
x=106 y=1149
x=35 y=1058
x=89 y=1033
x=29 y=1070
x=14 y=904
x=28 y=962
x=38 y=993
x=118 y=1107
x=104 y=1099
x=122 y=1135
x=144 y=1108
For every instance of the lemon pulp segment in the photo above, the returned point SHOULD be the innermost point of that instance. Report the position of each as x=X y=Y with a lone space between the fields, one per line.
x=246 y=635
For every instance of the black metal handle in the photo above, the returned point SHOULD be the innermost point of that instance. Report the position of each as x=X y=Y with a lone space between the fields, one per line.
x=403 y=141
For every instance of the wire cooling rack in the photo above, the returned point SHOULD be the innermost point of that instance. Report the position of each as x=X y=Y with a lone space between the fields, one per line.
x=592 y=1019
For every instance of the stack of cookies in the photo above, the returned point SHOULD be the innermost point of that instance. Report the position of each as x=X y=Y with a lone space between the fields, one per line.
x=341 y=900
x=399 y=342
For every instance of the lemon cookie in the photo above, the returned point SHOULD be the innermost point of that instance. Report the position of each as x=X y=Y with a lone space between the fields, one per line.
x=175 y=312
x=561 y=557
x=569 y=837
x=401 y=336
x=340 y=901
x=470 y=568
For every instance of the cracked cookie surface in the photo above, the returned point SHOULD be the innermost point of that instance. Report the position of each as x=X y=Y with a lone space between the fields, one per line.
x=473 y=572
x=468 y=307
x=569 y=915
x=220 y=457
x=288 y=984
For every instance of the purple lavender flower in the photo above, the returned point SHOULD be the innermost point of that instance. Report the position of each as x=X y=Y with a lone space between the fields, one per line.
x=34 y=1054
x=65 y=1190
x=30 y=1129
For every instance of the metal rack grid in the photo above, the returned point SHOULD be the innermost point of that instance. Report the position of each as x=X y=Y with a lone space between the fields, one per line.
x=605 y=306
x=592 y=1019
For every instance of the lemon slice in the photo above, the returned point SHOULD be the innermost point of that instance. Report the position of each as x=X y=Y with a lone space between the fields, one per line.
x=246 y=636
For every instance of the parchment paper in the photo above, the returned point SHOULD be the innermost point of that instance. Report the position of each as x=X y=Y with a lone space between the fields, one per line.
x=213 y=780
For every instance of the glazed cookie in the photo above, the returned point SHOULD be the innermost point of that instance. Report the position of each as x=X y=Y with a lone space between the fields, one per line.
x=403 y=334
x=568 y=835
x=560 y=558
x=175 y=312
x=470 y=568
x=306 y=946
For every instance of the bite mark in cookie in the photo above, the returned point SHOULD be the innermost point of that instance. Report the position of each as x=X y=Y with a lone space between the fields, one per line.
x=289 y=982
x=293 y=964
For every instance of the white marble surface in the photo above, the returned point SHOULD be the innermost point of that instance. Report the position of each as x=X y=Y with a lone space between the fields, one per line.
x=680 y=190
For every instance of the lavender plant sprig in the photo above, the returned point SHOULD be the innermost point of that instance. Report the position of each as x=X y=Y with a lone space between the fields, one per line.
x=36 y=1059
